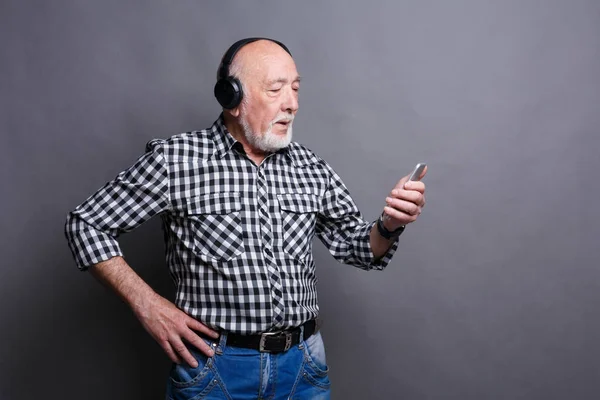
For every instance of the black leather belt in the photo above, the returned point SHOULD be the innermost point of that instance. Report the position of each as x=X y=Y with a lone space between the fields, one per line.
x=272 y=342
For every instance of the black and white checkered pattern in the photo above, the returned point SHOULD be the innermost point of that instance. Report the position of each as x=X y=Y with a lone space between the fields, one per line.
x=238 y=236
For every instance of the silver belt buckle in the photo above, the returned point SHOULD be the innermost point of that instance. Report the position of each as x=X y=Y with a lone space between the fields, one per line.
x=263 y=339
x=288 y=341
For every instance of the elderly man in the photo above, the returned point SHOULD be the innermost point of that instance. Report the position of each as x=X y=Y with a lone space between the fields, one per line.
x=240 y=204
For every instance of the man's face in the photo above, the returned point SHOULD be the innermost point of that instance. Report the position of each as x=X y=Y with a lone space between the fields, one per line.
x=270 y=102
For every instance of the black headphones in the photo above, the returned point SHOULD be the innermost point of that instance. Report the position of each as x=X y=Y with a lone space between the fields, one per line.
x=228 y=89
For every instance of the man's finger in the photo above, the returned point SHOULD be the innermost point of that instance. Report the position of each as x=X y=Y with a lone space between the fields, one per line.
x=198 y=343
x=399 y=215
x=200 y=327
x=404 y=206
x=183 y=352
x=416 y=186
x=401 y=182
x=413 y=196
x=170 y=352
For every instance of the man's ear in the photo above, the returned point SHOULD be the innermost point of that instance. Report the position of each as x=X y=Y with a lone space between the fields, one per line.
x=235 y=112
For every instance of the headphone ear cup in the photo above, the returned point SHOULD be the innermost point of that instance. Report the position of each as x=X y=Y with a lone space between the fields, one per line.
x=228 y=92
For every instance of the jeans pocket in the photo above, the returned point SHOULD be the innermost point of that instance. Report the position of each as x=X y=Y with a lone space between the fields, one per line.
x=202 y=382
x=186 y=382
x=183 y=376
x=315 y=369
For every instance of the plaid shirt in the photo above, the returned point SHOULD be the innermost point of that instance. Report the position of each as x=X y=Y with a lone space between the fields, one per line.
x=238 y=236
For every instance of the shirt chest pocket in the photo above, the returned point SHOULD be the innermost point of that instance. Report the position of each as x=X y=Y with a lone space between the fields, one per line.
x=216 y=225
x=298 y=217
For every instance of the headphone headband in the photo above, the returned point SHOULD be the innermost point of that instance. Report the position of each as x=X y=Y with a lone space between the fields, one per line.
x=232 y=51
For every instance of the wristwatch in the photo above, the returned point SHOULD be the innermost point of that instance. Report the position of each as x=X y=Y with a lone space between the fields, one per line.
x=384 y=232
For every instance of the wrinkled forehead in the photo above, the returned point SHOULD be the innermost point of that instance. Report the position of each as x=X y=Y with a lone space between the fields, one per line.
x=267 y=68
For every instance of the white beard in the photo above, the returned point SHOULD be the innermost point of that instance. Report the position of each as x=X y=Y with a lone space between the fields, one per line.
x=268 y=141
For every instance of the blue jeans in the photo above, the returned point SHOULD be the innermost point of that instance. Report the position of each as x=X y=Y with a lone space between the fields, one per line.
x=238 y=374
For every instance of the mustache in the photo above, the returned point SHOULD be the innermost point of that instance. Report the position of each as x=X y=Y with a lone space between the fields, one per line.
x=283 y=117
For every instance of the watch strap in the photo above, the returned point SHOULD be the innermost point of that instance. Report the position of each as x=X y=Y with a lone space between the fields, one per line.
x=384 y=232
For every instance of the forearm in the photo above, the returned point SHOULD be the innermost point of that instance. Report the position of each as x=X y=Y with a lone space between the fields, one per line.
x=166 y=323
x=379 y=244
x=117 y=275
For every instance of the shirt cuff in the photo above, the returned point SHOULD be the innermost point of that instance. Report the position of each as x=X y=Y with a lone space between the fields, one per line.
x=364 y=252
x=90 y=246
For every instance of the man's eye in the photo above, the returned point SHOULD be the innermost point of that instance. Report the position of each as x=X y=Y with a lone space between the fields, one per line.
x=274 y=90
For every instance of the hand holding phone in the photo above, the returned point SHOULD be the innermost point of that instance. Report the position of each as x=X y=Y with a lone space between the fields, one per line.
x=415 y=175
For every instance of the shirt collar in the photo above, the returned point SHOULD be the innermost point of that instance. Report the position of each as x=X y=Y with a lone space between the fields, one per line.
x=222 y=139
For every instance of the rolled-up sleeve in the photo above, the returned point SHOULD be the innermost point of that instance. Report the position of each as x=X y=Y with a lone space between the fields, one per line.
x=121 y=205
x=344 y=232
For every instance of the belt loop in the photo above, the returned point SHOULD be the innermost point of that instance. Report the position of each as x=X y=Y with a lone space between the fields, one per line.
x=301 y=338
x=222 y=343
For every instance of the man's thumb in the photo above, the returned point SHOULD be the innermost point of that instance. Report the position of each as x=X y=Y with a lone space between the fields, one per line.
x=401 y=182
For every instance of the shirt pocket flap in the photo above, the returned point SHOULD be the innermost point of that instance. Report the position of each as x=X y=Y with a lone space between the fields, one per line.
x=299 y=202
x=215 y=203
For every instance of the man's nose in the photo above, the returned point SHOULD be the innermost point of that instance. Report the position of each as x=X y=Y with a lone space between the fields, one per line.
x=290 y=102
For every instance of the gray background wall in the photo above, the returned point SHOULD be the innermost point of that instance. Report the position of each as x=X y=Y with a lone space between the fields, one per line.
x=493 y=294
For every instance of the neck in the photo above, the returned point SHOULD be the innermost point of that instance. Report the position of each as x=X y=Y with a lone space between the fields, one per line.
x=237 y=131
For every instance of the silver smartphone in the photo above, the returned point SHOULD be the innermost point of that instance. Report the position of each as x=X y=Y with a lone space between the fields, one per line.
x=414 y=176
